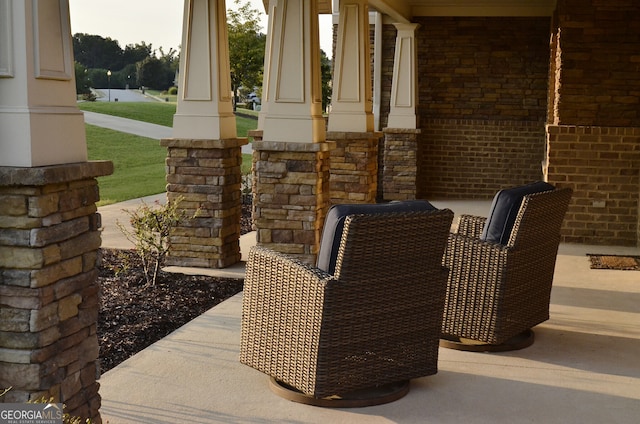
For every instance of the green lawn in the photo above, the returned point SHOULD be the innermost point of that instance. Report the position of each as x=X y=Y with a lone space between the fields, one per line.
x=139 y=162
x=153 y=112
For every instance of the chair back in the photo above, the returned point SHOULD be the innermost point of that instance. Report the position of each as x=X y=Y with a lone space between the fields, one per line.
x=540 y=219
x=392 y=246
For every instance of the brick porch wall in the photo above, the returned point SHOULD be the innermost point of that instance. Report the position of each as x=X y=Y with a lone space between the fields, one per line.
x=601 y=165
x=594 y=136
x=472 y=159
x=483 y=97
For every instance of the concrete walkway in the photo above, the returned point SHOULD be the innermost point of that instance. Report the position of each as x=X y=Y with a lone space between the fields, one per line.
x=142 y=129
x=583 y=367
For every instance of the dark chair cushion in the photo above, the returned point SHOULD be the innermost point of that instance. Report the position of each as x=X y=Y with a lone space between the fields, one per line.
x=334 y=224
x=504 y=211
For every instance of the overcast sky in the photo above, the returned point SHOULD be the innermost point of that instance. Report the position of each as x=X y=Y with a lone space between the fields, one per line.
x=157 y=22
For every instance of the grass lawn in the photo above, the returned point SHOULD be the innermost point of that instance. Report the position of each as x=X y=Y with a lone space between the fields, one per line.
x=153 y=112
x=139 y=162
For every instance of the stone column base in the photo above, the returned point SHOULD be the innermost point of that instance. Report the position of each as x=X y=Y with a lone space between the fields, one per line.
x=400 y=170
x=206 y=174
x=49 y=249
x=291 y=196
x=354 y=167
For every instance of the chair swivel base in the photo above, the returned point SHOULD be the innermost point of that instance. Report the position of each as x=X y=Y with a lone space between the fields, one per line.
x=357 y=399
x=520 y=341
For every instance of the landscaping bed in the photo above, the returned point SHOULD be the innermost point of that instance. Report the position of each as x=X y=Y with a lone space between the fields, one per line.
x=134 y=315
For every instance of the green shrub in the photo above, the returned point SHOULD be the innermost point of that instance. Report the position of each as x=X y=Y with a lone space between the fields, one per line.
x=173 y=91
x=150 y=230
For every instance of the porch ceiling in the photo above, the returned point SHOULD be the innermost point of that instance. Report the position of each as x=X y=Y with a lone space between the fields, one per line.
x=405 y=10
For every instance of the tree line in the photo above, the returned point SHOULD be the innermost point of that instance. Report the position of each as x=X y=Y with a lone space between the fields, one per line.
x=136 y=65
x=140 y=65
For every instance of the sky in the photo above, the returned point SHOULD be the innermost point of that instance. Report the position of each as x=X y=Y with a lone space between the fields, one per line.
x=156 y=22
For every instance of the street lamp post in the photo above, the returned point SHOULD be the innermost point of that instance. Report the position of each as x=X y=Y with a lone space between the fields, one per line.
x=109 y=83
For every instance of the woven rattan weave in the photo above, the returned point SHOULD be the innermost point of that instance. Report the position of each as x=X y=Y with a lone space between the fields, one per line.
x=496 y=292
x=376 y=321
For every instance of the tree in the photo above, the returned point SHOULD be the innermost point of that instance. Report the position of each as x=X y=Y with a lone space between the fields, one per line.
x=83 y=83
x=94 y=51
x=158 y=72
x=246 y=48
x=325 y=72
x=135 y=53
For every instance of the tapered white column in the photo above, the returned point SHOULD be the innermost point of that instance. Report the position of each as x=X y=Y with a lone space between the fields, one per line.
x=205 y=108
x=404 y=88
x=40 y=123
x=292 y=93
x=351 y=102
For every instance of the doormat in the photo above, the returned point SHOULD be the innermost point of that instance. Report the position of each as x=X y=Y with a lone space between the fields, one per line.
x=618 y=262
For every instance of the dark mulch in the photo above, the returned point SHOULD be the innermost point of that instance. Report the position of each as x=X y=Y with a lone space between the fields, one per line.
x=134 y=315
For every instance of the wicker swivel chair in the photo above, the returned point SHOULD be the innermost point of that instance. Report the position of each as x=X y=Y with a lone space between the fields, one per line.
x=500 y=284
x=326 y=338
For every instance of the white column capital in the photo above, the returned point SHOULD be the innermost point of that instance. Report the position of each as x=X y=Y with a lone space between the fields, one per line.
x=352 y=98
x=205 y=108
x=292 y=91
x=404 y=87
x=39 y=118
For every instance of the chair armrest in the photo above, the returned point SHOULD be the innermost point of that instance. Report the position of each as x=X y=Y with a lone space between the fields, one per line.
x=473 y=249
x=281 y=313
x=471 y=226
x=276 y=277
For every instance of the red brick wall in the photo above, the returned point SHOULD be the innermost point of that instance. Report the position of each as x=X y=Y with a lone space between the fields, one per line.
x=483 y=85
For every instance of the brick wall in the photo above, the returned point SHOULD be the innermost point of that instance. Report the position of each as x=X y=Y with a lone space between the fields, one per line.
x=601 y=165
x=472 y=159
x=599 y=63
x=594 y=136
x=483 y=97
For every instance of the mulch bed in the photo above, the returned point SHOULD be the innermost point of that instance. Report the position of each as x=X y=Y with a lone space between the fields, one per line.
x=134 y=315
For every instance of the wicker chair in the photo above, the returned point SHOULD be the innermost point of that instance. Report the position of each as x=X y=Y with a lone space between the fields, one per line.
x=374 y=323
x=497 y=292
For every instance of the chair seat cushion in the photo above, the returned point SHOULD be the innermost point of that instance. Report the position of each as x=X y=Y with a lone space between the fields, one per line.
x=504 y=210
x=334 y=224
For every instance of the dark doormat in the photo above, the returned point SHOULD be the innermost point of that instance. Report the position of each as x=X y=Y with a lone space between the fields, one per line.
x=619 y=262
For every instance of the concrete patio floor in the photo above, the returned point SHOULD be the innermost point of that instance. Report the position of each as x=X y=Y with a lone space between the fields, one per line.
x=583 y=368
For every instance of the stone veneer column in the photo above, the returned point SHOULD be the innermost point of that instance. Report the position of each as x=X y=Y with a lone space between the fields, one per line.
x=206 y=174
x=49 y=241
x=291 y=196
x=354 y=167
x=400 y=163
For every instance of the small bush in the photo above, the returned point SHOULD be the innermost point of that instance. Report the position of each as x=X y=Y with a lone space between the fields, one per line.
x=151 y=227
x=173 y=91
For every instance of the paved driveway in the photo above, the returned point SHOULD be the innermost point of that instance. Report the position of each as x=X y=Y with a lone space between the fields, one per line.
x=118 y=95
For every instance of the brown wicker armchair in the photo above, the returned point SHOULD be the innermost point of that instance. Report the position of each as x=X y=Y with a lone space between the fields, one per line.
x=374 y=323
x=497 y=292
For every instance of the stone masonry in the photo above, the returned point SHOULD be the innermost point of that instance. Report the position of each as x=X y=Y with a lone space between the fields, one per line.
x=206 y=176
x=400 y=164
x=291 y=195
x=49 y=249
x=354 y=167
